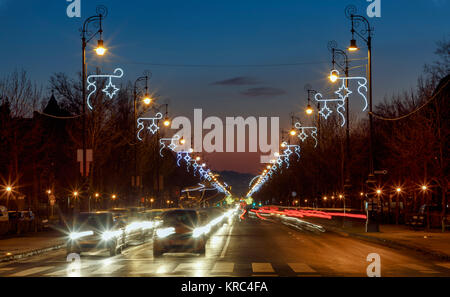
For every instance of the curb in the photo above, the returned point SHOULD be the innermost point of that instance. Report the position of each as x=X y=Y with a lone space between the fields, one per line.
x=30 y=253
x=391 y=243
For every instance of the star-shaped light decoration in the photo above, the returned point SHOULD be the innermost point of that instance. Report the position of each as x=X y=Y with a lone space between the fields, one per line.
x=303 y=135
x=343 y=92
x=153 y=128
x=325 y=111
x=110 y=90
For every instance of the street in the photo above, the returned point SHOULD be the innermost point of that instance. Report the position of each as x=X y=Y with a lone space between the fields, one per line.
x=251 y=247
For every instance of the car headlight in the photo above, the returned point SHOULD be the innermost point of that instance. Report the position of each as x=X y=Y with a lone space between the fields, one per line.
x=76 y=235
x=201 y=230
x=164 y=232
x=108 y=235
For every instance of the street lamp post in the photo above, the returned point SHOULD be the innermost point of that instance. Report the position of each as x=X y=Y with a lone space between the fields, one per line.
x=344 y=67
x=147 y=101
x=372 y=220
x=86 y=37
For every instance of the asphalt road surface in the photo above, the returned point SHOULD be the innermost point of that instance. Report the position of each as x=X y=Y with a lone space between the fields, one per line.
x=251 y=247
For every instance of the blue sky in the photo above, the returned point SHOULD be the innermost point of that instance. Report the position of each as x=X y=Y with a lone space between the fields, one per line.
x=39 y=37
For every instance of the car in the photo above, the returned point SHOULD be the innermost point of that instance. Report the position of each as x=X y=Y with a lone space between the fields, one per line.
x=179 y=231
x=97 y=230
x=154 y=214
x=120 y=212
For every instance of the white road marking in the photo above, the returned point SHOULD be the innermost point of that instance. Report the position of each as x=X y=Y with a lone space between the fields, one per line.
x=221 y=267
x=301 y=268
x=262 y=267
x=30 y=271
x=148 y=268
x=222 y=255
x=107 y=269
x=189 y=266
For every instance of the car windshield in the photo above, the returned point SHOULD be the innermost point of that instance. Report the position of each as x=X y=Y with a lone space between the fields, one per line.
x=101 y=221
x=177 y=217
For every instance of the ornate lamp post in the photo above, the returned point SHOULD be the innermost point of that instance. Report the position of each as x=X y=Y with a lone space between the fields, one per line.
x=366 y=35
x=344 y=66
x=147 y=100
x=86 y=37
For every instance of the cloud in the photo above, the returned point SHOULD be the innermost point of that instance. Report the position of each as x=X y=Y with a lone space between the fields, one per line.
x=237 y=81
x=263 y=91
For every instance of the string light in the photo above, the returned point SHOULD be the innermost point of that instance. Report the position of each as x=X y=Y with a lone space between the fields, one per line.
x=110 y=90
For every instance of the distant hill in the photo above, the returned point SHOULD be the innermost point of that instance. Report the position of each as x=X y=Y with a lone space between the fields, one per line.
x=238 y=181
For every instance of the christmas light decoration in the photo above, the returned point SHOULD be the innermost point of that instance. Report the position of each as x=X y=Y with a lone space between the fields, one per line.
x=172 y=145
x=110 y=90
x=343 y=92
x=303 y=135
x=153 y=127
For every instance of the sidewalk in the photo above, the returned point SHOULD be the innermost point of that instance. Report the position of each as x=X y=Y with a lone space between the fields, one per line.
x=433 y=242
x=14 y=248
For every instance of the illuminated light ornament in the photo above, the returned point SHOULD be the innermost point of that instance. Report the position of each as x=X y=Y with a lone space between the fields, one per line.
x=172 y=145
x=288 y=150
x=153 y=127
x=110 y=90
x=180 y=157
x=343 y=92
x=303 y=135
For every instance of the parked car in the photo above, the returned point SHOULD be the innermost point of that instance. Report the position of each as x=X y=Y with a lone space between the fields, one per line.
x=180 y=231
x=97 y=230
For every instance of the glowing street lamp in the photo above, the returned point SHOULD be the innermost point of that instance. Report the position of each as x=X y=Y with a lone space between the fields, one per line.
x=398 y=190
x=379 y=191
x=8 y=189
x=182 y=141
x=147 y=99
x=113 y=196
x=309 y=110
x=353 y=47
x=75 y=194
x=424 y=188
x=166 y=122
x=292 y=132
x=100 y=49
x=333 y=76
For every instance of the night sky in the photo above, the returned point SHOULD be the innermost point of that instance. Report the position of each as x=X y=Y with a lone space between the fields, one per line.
x=231 y=58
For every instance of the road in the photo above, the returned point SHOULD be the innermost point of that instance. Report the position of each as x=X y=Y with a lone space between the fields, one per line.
x=251 y=247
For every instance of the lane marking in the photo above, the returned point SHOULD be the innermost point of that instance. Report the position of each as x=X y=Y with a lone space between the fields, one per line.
x=222 y=255
x=221 y=267
x=301 y=268
x=262 y=267
x=189 y=266
x=107 y=269
x=32 y=271
x=148 y=268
